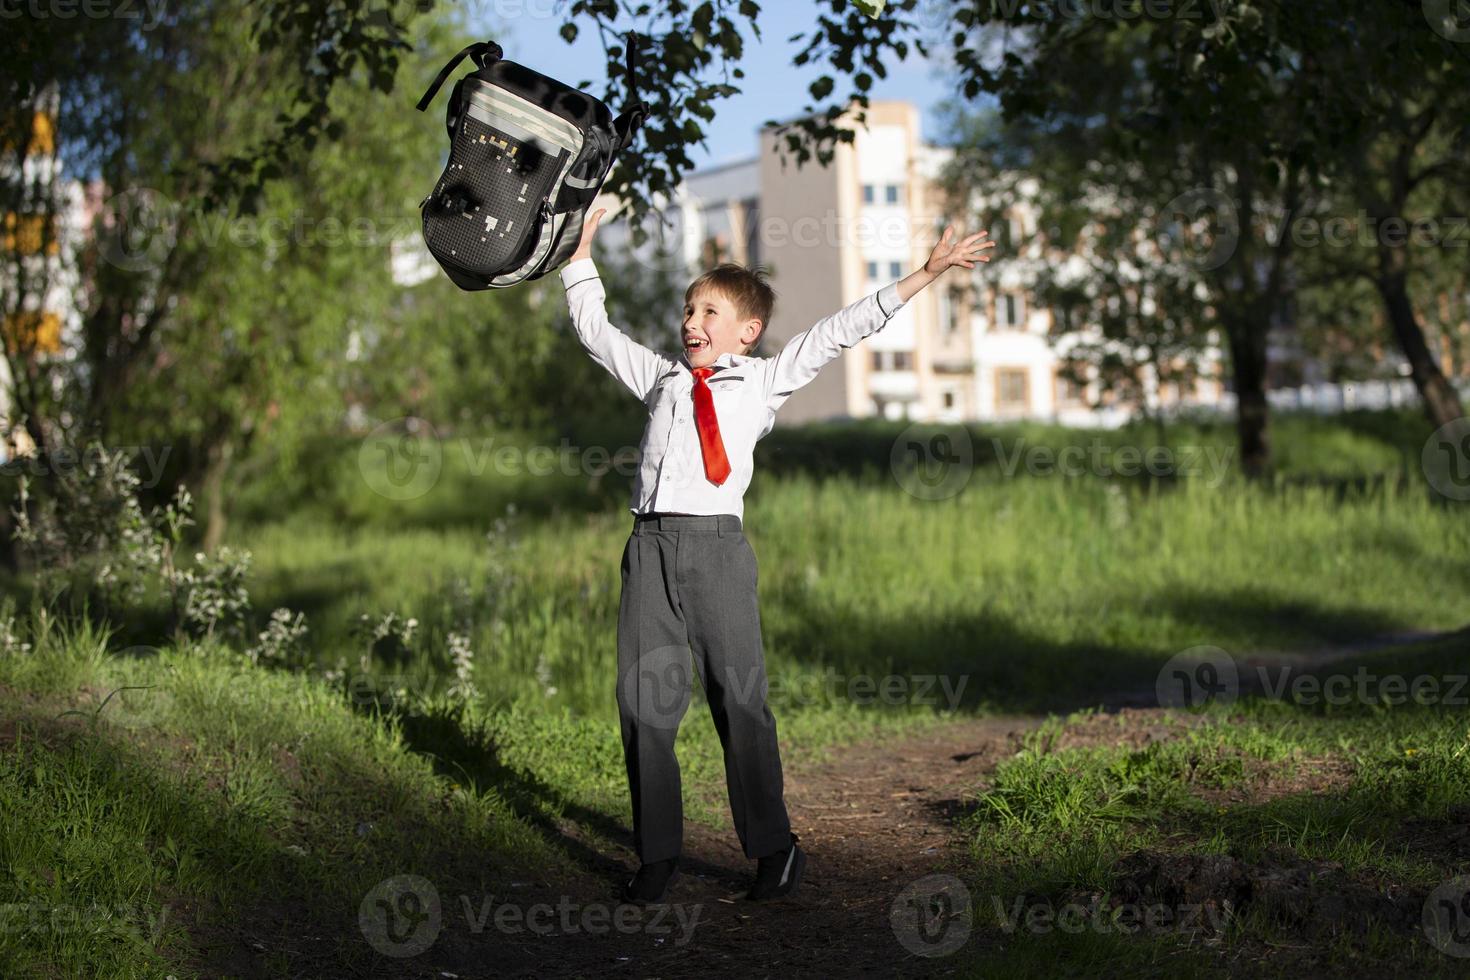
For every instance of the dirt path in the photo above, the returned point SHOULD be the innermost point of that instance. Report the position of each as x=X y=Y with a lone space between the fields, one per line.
x=874 y=819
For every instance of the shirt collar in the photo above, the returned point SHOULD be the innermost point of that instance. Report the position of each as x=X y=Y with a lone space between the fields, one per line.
x=725 y=360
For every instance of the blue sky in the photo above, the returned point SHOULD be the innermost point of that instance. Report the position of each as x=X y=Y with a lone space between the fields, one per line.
x=772 y=87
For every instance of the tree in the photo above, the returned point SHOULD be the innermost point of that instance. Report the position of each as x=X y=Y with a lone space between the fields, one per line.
x=1131 y=311
x=111 y=112
x=1170 y=101
x=1411 y=139
x=220 y=333
x=200 y=112
x=1271 y=104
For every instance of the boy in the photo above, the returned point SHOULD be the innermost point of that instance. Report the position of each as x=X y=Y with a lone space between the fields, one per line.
x=688 y=574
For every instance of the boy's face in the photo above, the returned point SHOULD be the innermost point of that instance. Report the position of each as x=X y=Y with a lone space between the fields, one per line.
x=713 y=327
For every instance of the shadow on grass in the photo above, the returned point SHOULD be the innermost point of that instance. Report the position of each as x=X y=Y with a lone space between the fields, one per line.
x=457 y=754
x=240 y=902
x=1004 y=668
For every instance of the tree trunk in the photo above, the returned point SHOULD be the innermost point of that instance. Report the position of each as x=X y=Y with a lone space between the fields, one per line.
x=1441 y=401
x=220 y=455
x=1252 y=411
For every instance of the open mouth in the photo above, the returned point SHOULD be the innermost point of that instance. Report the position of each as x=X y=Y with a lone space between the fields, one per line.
x=694 y=343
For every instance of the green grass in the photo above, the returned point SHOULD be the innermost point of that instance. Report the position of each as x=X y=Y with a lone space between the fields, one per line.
x=163 y=794
x=1037 y=592
x=1054 y=821
x=187 y=791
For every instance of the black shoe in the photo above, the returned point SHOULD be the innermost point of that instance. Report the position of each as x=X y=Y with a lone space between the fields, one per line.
x=778 y=874
x=651 y=882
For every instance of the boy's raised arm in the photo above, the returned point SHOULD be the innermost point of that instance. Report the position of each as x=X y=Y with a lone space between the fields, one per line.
x=635 y=365
x=799 y=360
x=803 y=356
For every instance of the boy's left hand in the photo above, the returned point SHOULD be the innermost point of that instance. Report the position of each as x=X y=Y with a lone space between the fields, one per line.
x=964 y=253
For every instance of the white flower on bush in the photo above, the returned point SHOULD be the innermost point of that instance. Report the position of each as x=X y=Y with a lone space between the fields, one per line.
x=390 y=637
x=281 y=641
x=462 y=656
x=10 y=641
x=90 y=520
x=214 y=591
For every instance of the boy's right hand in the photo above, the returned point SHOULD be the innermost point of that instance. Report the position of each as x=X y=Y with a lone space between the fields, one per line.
x=589 y=231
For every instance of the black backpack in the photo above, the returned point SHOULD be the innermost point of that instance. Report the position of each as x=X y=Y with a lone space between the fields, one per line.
x=527 y=156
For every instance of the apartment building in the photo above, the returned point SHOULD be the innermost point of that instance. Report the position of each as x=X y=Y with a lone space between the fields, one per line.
x=975 y=346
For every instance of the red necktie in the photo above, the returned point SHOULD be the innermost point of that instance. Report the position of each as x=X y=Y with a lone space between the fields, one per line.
x=716 y=466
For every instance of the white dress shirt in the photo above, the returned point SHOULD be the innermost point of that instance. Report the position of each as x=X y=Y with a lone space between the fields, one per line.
x=747 y=392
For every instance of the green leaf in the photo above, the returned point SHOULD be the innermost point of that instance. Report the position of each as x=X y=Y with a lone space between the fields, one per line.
x=822 y=87
x=871 y=7
x=569 y=32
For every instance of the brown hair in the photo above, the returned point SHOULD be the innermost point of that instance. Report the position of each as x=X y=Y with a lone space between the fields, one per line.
x=746 y=289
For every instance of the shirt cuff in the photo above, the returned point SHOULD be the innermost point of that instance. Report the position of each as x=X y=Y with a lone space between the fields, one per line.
x=578 y=271
x=888 y=299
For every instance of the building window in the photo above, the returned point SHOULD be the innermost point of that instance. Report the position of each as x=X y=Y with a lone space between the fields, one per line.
x=1011 y=389
x=950 y=315
x=1069 y=392
x=903 y=360
x=751 y=218
x=892 y=197
x=895 y=270
x=877 y=360
x=872 y=272
x=1062 y=318
x=869 y=194
x=1013 y=311
x=948 y=399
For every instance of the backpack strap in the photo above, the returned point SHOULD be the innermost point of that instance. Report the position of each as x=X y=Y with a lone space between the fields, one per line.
x=626 y=125
x=483 y=52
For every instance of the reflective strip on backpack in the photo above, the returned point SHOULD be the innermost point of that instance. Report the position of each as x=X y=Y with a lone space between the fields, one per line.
x=476 y=111
x=511 y=108
x=549 y=231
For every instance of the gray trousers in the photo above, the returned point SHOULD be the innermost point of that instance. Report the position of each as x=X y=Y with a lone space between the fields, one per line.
x=689 y=593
